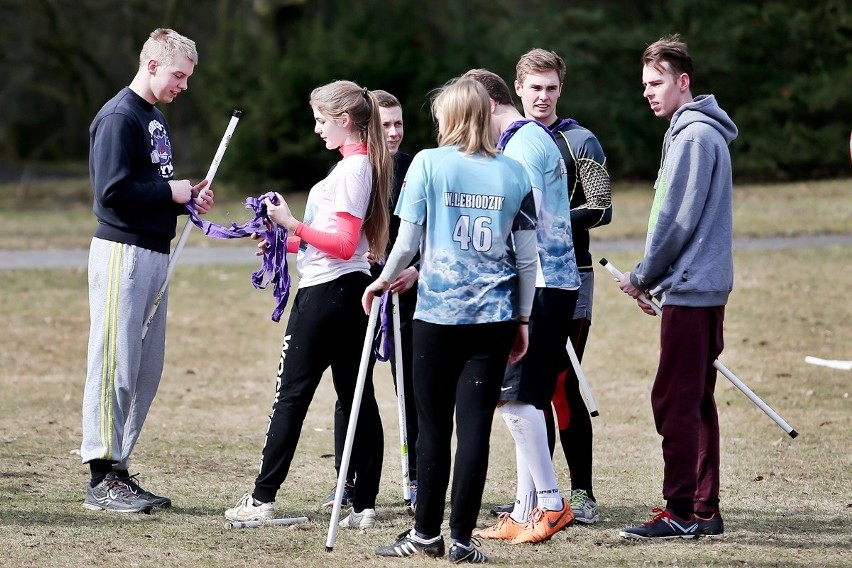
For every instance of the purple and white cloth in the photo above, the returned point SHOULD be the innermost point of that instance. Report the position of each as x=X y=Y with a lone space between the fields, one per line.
x=274 y=267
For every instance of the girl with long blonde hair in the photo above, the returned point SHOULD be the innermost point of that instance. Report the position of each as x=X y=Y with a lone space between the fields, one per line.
x=346 y=215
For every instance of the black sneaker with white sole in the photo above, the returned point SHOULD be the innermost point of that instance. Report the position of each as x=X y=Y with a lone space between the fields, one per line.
x=114 y=495
x=469 y=554
x=156 y=501
x=409 y=544
x=664 y=525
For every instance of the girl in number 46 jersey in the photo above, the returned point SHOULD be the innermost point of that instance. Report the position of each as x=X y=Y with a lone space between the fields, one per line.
x=475 y=213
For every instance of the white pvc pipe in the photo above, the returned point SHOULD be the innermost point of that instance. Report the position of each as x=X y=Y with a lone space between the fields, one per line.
x=716 y=363
x=353 y=422
x=211 y=173
x=400 y=400
x=581 y=378
x=268 y=522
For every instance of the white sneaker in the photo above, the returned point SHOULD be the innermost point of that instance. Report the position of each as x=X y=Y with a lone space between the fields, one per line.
x=366 y=519
x=246 y=510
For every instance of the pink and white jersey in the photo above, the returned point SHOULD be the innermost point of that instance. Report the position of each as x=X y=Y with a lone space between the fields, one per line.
x=346 y=189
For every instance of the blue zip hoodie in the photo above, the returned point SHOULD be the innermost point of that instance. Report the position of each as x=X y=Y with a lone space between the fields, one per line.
x=689 y=249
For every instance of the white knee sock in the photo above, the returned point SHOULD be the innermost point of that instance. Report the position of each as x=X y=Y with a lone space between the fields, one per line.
x=525 y=498
x=527 y=426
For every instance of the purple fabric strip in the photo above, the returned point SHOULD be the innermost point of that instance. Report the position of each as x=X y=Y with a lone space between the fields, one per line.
x=514 y=127
x=274 y=267
x=562 y=123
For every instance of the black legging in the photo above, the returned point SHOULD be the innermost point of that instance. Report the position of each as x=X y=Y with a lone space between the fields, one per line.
x=326 y=329
x=458 y=372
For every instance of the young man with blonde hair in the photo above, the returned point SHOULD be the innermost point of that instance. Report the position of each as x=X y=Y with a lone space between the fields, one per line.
x=688 y=266
x=540 y=75
x=540 y=511
x=137 y=203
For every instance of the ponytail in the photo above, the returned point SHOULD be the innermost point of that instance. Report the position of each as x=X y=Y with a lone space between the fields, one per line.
x=381 y=162
x=362 y=106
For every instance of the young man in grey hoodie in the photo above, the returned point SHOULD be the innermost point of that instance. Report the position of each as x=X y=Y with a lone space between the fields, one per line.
x=688 y=266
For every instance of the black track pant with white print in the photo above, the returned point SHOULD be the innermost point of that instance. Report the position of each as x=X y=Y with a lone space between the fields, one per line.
x=326 y=329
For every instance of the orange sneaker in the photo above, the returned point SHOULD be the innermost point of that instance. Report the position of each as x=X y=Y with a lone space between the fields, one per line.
x=543 y=524
x=506 y=528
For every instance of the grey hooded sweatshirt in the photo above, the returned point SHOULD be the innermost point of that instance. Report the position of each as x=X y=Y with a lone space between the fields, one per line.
x=689 y=249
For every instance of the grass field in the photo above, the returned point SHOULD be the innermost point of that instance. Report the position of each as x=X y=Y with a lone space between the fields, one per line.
x=786 y=502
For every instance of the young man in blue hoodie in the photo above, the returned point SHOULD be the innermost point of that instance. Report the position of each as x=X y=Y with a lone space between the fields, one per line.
x=688 y=266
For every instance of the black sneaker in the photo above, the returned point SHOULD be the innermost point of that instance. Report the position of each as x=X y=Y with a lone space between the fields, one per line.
x=112 y=494
x=346 y=499
x=156 y=501
x=460 y=553
x=711 y=527
x=664 y=525
x=507 y=508
x=409 y=544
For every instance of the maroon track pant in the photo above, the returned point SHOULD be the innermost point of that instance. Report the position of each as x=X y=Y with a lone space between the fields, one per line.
x=685 y=408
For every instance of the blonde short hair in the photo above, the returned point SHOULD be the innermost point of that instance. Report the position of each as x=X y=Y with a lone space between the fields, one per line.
x=163 y=45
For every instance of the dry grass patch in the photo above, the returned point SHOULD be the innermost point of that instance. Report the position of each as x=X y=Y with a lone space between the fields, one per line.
x=786 y=502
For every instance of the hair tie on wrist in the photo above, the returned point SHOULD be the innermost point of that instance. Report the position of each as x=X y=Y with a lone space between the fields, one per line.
x=521 y=322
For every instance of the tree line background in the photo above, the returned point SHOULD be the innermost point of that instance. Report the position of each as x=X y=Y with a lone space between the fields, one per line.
x=782 y=69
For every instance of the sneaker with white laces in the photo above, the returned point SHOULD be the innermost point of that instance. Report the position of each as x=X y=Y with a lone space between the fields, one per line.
x=112 y=494
x=366 y=519
x=408 y=544
x=664 y=525
x=246 y=510
x=156 y=501
x=585 y=510
x=460 y=553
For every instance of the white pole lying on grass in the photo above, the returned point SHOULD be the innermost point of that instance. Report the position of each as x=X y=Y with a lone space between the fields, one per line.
x=581 y=378
x=830 y=363
x=353 y=422
x=211 y=173
x=400 y=400
x=716 y=363
x=268 y=522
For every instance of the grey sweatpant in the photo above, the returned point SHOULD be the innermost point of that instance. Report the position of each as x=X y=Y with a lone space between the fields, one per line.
x=123 y=371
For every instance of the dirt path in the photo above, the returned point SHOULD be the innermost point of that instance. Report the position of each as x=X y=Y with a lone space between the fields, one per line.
x=77 y=258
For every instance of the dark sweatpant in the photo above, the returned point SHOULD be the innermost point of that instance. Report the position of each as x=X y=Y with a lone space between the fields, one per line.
x=326 y=329
x=685 y=408
x=457 y=369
